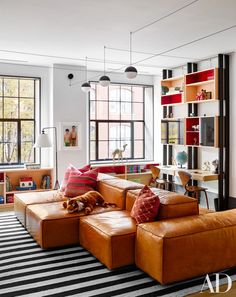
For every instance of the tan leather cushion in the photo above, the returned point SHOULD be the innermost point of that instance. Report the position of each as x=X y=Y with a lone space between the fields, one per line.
x=52 y=226
x=172 y=205
x=114 y=190
x=182 y=248
x=103 y=176
x=21 y=200
x=110 y=237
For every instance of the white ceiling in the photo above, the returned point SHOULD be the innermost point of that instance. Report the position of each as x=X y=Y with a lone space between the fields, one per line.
x=57 y=31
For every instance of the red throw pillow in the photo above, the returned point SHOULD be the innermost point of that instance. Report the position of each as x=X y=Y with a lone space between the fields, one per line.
x=145 y=208
x=80 y=183
x=70 y=169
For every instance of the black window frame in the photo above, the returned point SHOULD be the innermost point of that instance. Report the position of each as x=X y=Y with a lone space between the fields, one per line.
x=132 y=122
x=19 y=120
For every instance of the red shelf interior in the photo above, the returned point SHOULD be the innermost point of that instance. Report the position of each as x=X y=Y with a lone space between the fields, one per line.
x=1 y=177
x=171 y=99
x=200 y=76
x=191 y=122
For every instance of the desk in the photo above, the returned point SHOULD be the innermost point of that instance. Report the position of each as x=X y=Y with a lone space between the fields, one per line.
x=197 y=174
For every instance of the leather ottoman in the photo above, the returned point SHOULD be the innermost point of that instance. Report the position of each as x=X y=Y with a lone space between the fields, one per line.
x=110 y=237
x=23 y=199
x=183 y=248
x=52 y=226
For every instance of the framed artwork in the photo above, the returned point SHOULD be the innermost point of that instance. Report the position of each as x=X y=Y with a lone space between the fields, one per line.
x=70 y=135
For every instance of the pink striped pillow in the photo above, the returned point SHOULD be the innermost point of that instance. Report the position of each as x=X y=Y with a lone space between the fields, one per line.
x=70 y=169
x=80 y=183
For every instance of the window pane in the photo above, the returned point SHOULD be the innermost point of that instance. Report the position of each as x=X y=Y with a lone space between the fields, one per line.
x=27 y=152
x=114 y=131
x=11 y=87
x=27 y=131
x=1 y=153
x=26 y=88
x=92 y=110
x=92 y=131
x=102 y=110
x=125 y=131
x=1 y=92
x=26 y=108
x=114 y=110
x=114 y=93
x=138 y=131
x=102 y=92
x=137 y=94
x=92 y=92
x=103 y=131
x=10 y=108
x=138 y=149
x=103 y=150
x=126 y=94
x=126 y=111
x=92 y=150
x=127 y=150
x=137 y=111
x=10 y=142
x=1 y=107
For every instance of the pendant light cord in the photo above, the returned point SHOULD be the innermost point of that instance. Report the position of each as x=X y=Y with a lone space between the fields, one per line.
x=130 y=47
x=104 y=59
x=86 y=68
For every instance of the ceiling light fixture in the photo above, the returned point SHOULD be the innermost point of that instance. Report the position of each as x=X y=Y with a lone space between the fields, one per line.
x=86 y=87
x=104 y=80
x=131 y=72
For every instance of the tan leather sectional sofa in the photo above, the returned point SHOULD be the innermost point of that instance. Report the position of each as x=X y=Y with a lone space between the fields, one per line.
x=181 y=244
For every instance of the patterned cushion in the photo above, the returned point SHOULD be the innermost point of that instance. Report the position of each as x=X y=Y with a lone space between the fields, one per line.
x=145 y=208
x=80 y=183
x=70 y=169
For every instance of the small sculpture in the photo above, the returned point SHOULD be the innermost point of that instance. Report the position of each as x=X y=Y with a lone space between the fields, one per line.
x=201 y=95
x=195 y=127
x=119 y=153
x=215 y=163
x=206 y=166
x=195 y=141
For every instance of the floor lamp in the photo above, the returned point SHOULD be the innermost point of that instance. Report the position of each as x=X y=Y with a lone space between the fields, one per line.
x=43 y=140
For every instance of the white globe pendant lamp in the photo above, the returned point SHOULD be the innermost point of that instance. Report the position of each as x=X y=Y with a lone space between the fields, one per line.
x=131 y=72
x=86 y=87
x=104 y=80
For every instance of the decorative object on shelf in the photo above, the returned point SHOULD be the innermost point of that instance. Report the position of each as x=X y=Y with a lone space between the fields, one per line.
x=208 y=95
x=164 y=90
x=195 y=127
x=44 y=141
x=182 y=158
x=24 y=188
x=1 y=199
x=206 y=166
x=192 y=114
x=215 y=163
x=10 y=198
x=131 y=72
x=195 y=141
x=8 y=184
x=104 y=80
x=70 y=77
x=171 y=115
x=119 y=153
x=26 y=182
x=86 y=87
x=201 y=95
x=46 y=182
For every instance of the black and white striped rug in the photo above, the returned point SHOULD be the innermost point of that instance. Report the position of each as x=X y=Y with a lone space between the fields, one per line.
x=27 y=270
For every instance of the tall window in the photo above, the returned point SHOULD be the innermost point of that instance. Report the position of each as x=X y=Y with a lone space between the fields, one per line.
x=117 y=117
x=17 y=119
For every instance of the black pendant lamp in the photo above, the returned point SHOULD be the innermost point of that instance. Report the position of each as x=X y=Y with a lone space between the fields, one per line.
x=131 y=72
x=104 y=80
x=86 y=87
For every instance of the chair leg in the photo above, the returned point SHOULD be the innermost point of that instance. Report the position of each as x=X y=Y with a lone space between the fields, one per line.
x=185 y=192
x=206 y=199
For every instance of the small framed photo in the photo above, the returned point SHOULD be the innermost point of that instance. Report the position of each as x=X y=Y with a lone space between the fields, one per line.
x=70 y=135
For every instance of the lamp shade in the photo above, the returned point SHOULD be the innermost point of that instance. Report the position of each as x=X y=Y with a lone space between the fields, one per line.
x=131 y=72
x=104 y=81
x=86 y=87
x=43 y=140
